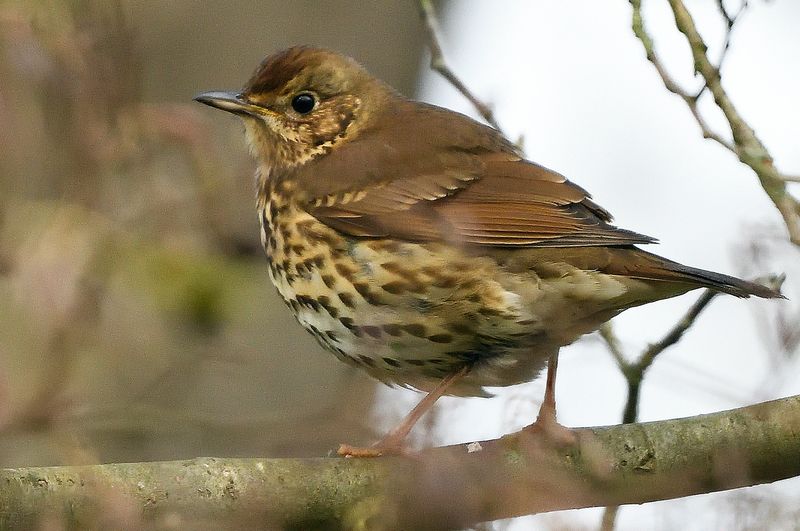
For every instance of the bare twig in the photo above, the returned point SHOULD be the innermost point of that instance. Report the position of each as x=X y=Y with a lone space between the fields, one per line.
x=634 y=371
x=614 y=348
x=440 y=65
x=669 y=83
x=677 y=331
x=730 y=23
x=746 y=145
x=646 y=359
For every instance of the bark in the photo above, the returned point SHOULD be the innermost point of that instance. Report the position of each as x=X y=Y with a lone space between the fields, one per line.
x=441 y=488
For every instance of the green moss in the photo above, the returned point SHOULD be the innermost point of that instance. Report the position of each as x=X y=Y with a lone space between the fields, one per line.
x=192 y=286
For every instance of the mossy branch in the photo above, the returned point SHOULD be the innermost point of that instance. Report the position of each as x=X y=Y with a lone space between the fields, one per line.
x=442 y=488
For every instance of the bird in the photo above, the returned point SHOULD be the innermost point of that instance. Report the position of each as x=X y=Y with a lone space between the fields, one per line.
x=422 y=247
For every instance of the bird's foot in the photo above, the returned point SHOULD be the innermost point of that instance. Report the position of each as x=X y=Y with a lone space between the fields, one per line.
x=379 y=449
x=546 y=424
x=548 y=427
x=554 y=432
x=394 y=441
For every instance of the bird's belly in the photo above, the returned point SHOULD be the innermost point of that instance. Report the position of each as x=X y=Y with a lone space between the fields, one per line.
x=412 y=313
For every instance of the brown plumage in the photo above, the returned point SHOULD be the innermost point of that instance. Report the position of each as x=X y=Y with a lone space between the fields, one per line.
x=420 y=245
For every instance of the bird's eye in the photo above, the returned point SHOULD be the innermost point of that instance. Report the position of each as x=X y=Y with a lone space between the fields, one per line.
x=303 y=103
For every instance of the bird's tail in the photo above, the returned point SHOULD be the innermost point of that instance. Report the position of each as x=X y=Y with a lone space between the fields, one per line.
x=653 y=267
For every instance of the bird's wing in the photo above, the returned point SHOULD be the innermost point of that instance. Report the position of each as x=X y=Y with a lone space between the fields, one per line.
x=454 y=180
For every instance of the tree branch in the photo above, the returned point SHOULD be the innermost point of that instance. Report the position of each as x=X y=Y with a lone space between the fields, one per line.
x=442 y=488
x=438 y=63
x=746 y=144
x=669 y=83
x=606 y=332
x=634 y=371
x=730 y=23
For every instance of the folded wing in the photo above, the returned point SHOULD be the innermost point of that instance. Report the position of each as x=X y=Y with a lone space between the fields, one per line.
x=457 y=180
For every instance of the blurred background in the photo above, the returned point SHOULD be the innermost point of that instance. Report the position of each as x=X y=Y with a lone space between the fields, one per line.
x=137 y=321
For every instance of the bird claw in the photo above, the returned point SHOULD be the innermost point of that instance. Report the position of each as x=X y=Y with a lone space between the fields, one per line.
x=377 y=450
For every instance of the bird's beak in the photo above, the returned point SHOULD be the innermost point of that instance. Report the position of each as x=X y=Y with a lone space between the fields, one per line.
x=231 y=102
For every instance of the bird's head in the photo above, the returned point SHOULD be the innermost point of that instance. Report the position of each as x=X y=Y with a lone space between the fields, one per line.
x=300 y=103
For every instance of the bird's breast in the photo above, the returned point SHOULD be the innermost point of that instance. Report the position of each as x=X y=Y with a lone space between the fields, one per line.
x=406 y=312
x=412 y=313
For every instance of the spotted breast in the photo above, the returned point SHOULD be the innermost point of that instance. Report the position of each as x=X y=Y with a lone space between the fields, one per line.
x=407 y=313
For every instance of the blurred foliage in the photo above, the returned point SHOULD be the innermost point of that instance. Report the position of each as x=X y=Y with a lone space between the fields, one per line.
x=137 y=321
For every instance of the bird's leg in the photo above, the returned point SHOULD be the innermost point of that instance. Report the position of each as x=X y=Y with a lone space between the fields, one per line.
x=392 y=442
x=546 y=422
x=547 y=411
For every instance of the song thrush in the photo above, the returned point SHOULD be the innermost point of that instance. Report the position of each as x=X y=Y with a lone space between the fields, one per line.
x=420 y=246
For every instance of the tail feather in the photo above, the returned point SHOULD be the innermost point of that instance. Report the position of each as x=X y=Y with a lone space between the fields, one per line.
x=654 y=267
x=632 y=262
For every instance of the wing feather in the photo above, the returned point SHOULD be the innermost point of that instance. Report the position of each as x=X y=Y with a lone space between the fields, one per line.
x=457 y=180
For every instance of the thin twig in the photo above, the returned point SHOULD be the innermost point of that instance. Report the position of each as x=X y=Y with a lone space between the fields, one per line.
x=669 y=83
x=746 y=145
x=440 y=65
x=730 y=23
x=634 y=371
x=612 y=342
x=677 y=331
